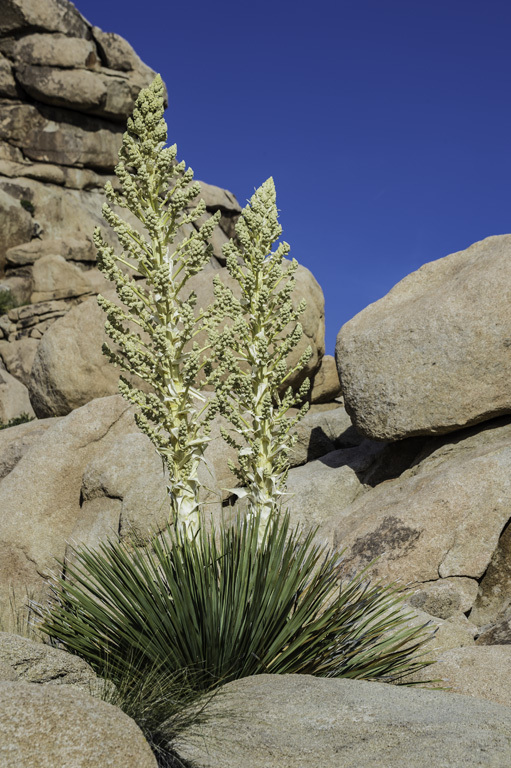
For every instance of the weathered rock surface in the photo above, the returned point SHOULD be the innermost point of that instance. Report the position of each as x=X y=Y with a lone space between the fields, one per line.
x=7 y=673
x=493 y=602
x=85 y=478
x=440 y=519
x=18 y=357
x=48 y=725
x=63 y=217
x=15 y=442
x=421 y=360
x=117 y=53
x=7 y=81
x=34 y=662
x=107 y=94
x=71 y=249
x=326 y=385
x=14 y=398
x=439 y=634
x=321 y=491
x=498 y=633
x=69 y=367
x=47 y=15
x=319 y=433
x=49 y=134
x=53 y=50
x=129 y=472
x=483 y=672
x=454 y=632
x=27 y=323
x=17 y=225
x=54 y=278
x=288 y=720
x=40 y=496
x=446 y=597
x=218 y=199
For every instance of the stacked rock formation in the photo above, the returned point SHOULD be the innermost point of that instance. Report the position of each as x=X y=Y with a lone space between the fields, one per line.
x=427 y=369
x=66 y=90
x=414 y=470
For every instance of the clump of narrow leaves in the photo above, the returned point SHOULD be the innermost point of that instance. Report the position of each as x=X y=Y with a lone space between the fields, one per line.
x=23 y=418
x=162 y=703
x=224 y=607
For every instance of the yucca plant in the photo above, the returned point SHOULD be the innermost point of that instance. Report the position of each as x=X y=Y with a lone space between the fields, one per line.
x=224 y=607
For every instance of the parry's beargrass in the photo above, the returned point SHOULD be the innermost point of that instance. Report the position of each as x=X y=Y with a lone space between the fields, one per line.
x=161 y=703
x=227 y=605
x=22 y=618
x=198 y=607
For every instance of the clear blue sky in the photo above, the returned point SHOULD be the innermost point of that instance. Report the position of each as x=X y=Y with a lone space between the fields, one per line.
x=386 y=124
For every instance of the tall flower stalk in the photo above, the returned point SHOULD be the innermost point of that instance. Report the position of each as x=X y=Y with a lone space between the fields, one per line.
x=252 y=352
x=154 y=330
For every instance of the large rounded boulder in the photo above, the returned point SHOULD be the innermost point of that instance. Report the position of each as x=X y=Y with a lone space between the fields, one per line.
x=433 y=354
x=284 y=721
x=48 y=726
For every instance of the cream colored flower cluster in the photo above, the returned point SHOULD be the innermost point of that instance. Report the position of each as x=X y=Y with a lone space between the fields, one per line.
x=252 y=351
x=250 y=334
